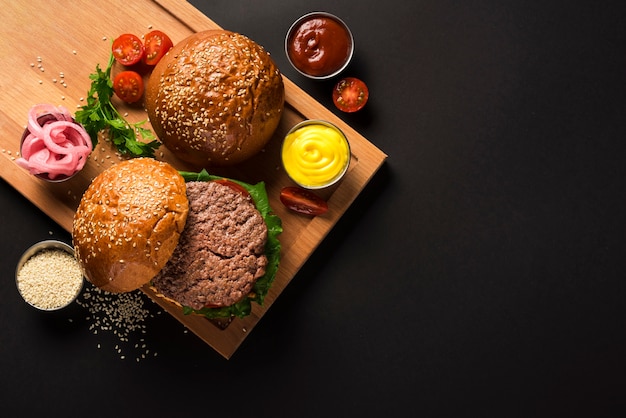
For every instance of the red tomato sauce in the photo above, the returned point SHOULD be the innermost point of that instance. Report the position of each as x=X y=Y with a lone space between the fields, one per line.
x=319 y=46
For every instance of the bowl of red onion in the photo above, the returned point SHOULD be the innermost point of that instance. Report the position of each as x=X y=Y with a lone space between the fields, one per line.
x=53 y=147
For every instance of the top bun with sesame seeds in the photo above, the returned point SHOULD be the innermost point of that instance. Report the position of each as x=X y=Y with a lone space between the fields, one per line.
x=215 y=99
x=129 y=222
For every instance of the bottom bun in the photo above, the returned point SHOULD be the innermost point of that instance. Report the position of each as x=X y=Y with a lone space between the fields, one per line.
x=221 y=252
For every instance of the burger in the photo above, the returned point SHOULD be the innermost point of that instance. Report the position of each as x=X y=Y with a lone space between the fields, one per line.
x=215 y=99
x=206 y=243
x=228 y=253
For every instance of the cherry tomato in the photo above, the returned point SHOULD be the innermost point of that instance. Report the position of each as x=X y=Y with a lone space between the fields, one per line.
x=303 y=201
x=236 y=187
x=128 y=86
x=127 y=49
x=156 y=45
x=350 y=94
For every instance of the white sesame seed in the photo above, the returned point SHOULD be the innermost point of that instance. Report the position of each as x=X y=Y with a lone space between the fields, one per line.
x=50 y=279
x=122 y=315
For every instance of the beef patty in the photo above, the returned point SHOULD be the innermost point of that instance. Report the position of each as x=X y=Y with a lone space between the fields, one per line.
x=220 y=253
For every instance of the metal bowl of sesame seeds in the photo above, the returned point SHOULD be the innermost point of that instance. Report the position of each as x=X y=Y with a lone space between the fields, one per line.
x=48 y=276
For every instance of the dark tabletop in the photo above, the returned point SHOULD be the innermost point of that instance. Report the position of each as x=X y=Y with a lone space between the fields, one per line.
x=480 y=273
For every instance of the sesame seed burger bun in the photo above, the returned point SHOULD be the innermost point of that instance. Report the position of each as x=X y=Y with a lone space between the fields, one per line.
x=128 y=223
x=215 y=98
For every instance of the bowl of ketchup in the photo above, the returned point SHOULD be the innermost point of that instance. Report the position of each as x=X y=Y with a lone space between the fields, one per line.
x=319 y=45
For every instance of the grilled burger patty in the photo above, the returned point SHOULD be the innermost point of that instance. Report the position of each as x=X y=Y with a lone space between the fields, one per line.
x=220 y=253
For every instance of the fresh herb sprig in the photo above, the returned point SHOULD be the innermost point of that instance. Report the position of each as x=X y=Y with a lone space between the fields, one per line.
x=99 y=114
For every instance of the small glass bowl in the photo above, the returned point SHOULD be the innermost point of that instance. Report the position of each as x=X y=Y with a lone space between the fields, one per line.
x=331 y=45
x=315 y=154
x=70 y=294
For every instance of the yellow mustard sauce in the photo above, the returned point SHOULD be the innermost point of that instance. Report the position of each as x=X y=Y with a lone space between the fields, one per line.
x=315 y=155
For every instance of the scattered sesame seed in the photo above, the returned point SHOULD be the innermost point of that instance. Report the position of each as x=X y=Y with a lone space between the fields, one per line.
x=121 y=314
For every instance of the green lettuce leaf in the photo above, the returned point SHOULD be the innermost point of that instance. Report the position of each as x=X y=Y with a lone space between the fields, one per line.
x=272 y=250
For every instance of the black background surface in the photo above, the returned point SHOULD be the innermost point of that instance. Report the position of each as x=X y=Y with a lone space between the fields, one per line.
x=481 y=273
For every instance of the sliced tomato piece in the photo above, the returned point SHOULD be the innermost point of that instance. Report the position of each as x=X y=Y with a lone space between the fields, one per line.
x=156 y=45
x=350 y=94
x=127 y=49
x=128 y=86
x=236 y=187
x=303 y=201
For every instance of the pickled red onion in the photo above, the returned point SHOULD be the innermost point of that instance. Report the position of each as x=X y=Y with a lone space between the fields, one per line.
x=56 y=113
x=55 y=145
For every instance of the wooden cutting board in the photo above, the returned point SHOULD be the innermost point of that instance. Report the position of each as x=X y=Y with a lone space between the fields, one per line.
x=50 y=62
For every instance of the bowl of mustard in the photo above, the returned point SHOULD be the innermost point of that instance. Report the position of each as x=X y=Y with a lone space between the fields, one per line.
x=315 y=154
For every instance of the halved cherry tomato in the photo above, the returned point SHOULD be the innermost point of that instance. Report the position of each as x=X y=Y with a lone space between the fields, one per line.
x=156 y=45
x=127 y=49
x=350 y=94
x=236 y=187
x=303 y=201
x=128 y=86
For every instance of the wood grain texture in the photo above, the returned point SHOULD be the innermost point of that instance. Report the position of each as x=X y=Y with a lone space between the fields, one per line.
x=69 y=53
